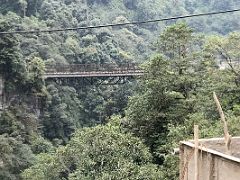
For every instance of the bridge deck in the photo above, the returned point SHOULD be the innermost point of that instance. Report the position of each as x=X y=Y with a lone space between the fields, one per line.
x=93 y=74
x=89 y=70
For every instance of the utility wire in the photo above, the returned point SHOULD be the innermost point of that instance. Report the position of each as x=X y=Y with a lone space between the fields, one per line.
x=118 y=24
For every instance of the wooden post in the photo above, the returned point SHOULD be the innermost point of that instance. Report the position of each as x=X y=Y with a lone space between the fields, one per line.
x=196 y=174
x=227 y=137
x=1 y=92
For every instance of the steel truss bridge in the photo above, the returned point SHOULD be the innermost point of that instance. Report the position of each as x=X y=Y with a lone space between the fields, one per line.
x=82 y=74
x=94 y=73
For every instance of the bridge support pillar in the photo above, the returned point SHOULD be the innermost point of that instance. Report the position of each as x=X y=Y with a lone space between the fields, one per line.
x=1 y=92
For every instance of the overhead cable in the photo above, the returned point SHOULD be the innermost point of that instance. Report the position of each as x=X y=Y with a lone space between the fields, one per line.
x=118 y=24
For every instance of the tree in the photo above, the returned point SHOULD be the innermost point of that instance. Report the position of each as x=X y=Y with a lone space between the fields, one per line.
x=63 y=113
x=225 y=51
x=19 y=6
x=156 y=104
x=15 y=157
x=101 y=152
x=33 y=6
x=12 y=65
x=164 y=96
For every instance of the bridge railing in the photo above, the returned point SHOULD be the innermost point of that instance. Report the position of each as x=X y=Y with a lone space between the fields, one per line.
x=81 y=68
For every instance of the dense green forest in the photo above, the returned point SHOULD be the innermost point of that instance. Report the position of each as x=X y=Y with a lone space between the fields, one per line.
x=56 y=130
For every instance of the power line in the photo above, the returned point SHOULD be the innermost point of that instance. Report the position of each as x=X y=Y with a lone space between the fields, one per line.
x=118 y=24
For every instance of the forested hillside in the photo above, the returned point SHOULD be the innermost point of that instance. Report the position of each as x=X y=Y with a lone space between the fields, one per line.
x=56 y=129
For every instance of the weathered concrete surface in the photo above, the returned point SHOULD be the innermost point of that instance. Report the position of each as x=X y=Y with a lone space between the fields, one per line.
x=213 y=165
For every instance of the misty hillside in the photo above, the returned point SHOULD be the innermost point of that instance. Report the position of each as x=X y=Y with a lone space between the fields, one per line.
x=120 y=98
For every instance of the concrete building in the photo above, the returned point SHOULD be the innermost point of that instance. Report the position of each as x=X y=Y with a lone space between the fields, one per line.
x=213 y=162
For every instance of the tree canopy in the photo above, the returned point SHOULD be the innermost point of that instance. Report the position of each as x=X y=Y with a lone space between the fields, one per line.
x=69 y=129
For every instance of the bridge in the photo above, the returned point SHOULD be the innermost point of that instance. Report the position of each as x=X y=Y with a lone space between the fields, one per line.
x=98 y=74
x=93 y=70
x=93 y=74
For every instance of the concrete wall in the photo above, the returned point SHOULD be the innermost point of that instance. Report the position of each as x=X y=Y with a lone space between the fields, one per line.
x=212 y=165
